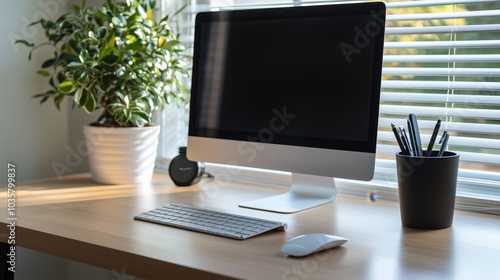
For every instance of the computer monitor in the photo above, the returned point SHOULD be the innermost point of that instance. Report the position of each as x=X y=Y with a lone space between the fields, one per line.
x=293 y=89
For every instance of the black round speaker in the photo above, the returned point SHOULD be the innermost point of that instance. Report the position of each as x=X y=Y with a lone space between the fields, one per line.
x=185 y=172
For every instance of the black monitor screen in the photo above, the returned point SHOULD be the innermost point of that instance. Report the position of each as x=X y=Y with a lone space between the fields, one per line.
x=306 y=76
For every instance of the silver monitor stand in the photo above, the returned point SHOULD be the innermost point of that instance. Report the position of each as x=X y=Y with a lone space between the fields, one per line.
x=307 y=191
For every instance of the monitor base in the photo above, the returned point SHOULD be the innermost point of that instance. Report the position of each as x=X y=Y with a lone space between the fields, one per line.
x=307 y=191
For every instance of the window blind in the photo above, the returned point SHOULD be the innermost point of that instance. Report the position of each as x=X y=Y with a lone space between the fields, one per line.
x=441 y=60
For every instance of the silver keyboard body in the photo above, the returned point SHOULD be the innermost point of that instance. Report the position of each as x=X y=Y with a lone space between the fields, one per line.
x=209 y=221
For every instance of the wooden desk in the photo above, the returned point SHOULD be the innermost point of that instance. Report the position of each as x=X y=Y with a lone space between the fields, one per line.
x=82 y=221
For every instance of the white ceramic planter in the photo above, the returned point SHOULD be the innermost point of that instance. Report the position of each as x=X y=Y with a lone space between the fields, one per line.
x=121 y=155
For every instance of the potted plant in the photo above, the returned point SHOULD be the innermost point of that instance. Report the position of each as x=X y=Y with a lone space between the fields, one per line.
x=118 y=61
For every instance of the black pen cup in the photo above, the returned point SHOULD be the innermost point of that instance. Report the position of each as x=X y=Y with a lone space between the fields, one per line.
x=427 y=189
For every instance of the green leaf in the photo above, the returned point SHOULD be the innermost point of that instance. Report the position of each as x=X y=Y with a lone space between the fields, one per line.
x=140 y=34
x=139 y=94
x=142 y=12
x=113 y=107
x=180 y=10
x=92 y=35
x=104 y=51
x=143 y=115
x=120 y=72
x=75 y=45
x=83 y=98
x=102 y=32
x=170 y=44
x=80 y=76
x=68 y=58
x=100 y=16
x=51 y=25
x=135 y=47
x=75 y=9
x=48 y=63
x=148 y=23
x=119 y=21
x=128 y=115
x=132 y=21
x=112 y=41
x=126 y=100
x=74 y=65
x=139 y=119
x=51 y=82
x=150 y=103
x=182 y=87
x=37 y=22
x=44 y=99
x=120 y=116
x=43 y=73
x=78 y=96
x=90 y=104
x=164 y=19
x=120 y=95
x=110 y=58
x=24 y=42
x=58 y=98
x=60 y=77
x=83 y=55
x=130 y=38
x=38 y=95
x=66 y=87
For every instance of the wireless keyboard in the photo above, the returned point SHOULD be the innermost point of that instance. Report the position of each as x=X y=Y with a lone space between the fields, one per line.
x=209 y=221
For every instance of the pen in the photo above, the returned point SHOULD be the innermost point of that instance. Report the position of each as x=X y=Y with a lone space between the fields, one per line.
x=398 y=139
x=412 y=139
x=444 y=143
x=416 y=134
x=404 y=139
x=433 y=137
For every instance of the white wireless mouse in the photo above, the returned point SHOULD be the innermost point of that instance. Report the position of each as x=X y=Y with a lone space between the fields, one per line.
x=310 y=243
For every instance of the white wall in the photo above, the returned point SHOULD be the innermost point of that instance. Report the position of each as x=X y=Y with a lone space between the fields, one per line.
x=38 y=139
x=34 y=137
x=31 y=136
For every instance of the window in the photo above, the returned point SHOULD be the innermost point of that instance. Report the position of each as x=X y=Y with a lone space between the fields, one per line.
x=441 y=60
